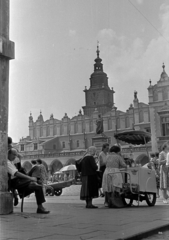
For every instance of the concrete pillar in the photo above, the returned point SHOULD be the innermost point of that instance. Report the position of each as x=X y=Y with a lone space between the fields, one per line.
x=6 y=53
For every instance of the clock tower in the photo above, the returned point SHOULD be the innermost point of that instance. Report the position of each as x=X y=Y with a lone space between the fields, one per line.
x=99 y=95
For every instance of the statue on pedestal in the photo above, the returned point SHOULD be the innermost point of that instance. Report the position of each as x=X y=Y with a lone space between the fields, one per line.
x=99 y=123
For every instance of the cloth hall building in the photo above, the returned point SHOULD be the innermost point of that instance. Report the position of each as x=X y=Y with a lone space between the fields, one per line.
x=75 y=134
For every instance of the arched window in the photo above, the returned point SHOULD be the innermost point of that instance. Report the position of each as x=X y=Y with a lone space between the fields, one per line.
x=41 y=131
x=55 y=130
x=63 y=144
x=77 y=143
x=91 y=126
x=109 y=124
x=165 y=94
x=34 y=133
x=76 y=127
x=141 y=116
x=47 y=131
x=126 y=122
x=155 y=96
x=118 y=123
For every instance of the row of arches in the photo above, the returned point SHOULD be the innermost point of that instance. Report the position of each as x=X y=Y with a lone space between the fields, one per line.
x=53 y=167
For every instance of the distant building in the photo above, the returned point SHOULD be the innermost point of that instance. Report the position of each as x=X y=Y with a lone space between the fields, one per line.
x=75 y=134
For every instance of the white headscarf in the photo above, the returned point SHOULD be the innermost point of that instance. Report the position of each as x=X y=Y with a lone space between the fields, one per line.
x=91 y=151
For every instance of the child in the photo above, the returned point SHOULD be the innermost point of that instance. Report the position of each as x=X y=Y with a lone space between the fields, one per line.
x=156 y=167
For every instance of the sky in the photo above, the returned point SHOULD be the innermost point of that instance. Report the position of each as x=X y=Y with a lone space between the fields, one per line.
x=55 y=48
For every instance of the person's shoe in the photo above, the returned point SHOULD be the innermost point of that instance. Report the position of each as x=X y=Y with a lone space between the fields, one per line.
x=16 y=201
x=165 y=201
x=91 y=206
x=42 y=211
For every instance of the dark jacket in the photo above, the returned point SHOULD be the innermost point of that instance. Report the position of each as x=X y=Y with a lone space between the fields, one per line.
x=88 y=166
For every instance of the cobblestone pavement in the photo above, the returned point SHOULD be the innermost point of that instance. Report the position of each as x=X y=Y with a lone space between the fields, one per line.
x=69 y=219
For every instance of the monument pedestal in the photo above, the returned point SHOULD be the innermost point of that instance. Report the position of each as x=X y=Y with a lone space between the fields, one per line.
x=98 y=140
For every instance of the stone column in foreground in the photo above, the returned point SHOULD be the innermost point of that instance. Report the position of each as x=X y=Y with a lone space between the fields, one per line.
x=6 y=54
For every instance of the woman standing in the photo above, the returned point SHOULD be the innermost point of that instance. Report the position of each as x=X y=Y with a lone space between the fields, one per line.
x=113 y=163
x=164 y=181
x=102 y=166
x=89 y=189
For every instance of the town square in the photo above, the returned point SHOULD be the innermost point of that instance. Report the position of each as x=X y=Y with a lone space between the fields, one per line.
x=84 y=119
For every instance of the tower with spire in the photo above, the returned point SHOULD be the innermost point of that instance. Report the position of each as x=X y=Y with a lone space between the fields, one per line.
x=99 y=96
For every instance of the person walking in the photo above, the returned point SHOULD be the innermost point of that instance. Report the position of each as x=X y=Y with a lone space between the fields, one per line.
x=164 y=180
x=89 y=188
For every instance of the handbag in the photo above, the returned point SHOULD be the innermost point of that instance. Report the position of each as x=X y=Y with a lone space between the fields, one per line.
x=99 y=178
x=78 y=164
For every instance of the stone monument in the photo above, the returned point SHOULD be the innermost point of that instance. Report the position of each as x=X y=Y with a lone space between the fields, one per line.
x=6 y=53
x=100 y=138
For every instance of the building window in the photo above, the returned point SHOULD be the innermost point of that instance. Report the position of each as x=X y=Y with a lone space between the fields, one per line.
x=91 y=126
x=41 y=132
x=165 y=94
x=22 y=147
x=118 y=123
x=94 y=103
x=48 y=131
x=165 y=126
x=34 y=133
x=155 y=96
x=141 y=116
x=54 y=146
x=55 y=130
x=35 y=146
x=77 y=143
x=126 y=122
x=63 y=144
x=109 y=124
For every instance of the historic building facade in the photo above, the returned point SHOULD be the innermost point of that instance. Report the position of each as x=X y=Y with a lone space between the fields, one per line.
x=75 y=134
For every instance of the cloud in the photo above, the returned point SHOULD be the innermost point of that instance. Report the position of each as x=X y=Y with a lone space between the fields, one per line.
x=140 y=2
x=134 y=62
x=72 y=33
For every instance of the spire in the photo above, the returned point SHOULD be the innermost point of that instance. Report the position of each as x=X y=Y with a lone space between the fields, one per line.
x=164 y=75
x=40 y=118
x=98 y=66
x=98 y=51
x=30 y=117
x=163 y=67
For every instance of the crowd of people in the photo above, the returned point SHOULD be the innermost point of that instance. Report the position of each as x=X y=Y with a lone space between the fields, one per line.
x=95 y=174
x=96 y=179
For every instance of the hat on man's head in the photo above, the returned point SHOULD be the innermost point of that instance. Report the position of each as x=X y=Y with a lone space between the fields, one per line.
x=12 y=151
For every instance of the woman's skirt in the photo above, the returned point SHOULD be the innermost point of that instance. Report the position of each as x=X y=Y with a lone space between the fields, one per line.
x=101 y=172
x=164 y=179
x=89 y=187
x=112 y=180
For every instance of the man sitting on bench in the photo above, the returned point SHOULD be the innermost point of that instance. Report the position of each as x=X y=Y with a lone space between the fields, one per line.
x=25 y=183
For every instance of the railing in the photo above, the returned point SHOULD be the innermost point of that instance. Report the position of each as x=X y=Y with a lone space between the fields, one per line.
x=79 y=153
x=53 y=155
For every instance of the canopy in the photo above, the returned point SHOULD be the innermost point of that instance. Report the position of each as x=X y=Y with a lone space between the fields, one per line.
x=133 y=137
x=59 y=172
x=68 y=168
